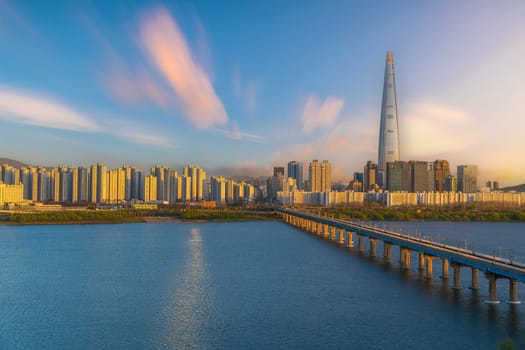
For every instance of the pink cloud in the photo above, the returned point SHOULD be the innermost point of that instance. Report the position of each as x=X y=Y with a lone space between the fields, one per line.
x=166 y=47
x=134 y=89
x=317 y=114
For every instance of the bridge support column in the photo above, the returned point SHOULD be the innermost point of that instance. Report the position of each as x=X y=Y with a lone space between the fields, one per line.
x=513 y=292
x=421 y=265
x=387 y=252
x=404 y=257
x=373 y=244
x=444 y=270
x=350 y=243
x=361 y=242
x=457 y=276
x=341 y=236
x=332 y=233
x=428 y=259
x=475 y=279
x=325 y=231
x=492 y=289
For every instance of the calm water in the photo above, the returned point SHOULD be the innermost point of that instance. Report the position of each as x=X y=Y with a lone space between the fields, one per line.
x=237 y=286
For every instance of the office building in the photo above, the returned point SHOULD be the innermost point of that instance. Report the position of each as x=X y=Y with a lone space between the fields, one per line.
x=295 y=171
x=467 y=178
x=422 y=176
x=441 y=171
x=278 y=170
x=399 y=176
x=370 y=176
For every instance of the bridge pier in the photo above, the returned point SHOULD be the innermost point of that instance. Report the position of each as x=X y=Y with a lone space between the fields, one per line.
x=475 y=279
x=457 y=276
x=341 y=236
x=404 y=257
x=492 y=289
x=332 y=233
x=421 y=265
x=387 y=252
x=513 y=292
x=361 y=242
x=428 y=260
x=350 y=243
x=325 y=231
x=444 y=268
x=373 y=244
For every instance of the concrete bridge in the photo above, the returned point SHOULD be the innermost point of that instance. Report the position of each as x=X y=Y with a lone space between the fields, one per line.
x=343 y=231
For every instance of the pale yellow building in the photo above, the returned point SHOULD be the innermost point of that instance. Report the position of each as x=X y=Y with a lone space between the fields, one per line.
x=11 y=193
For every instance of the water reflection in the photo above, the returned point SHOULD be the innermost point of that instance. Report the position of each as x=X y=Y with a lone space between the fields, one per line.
x=190 y=302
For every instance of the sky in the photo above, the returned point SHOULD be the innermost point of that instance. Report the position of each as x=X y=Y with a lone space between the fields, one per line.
x=241 y=86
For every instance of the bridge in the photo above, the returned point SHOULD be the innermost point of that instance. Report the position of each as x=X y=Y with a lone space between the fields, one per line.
x=342 y=232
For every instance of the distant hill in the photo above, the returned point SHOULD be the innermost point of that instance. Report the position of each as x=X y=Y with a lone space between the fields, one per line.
x=12 y=162
x=517 y=188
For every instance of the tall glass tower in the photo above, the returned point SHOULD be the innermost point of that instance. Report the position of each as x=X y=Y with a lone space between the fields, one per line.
x=388 y=129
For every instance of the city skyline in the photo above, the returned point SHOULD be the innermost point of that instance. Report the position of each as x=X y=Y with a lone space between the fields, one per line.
x=250 y=99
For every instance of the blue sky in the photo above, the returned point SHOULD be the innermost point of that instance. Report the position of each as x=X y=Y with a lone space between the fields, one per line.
x=239 y=87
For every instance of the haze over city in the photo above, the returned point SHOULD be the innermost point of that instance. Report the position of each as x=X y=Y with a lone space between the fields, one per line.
x=239 y=87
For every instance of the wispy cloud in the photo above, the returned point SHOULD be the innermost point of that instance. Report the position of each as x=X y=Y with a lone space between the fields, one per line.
x=166 y=47
x=430 y=130
x=246 y=92
x=320 y=114
x=24 y=107
x=30 y=108
x=234 y=132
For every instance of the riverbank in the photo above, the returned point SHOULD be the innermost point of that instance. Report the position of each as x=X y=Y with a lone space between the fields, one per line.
x=129 y=216
x=426 y=214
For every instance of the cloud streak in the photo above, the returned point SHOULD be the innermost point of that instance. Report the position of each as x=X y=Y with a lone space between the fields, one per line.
x=317 y=114
x=168 y=51
x=29 y=108
x=23 y=107
x=234 y=132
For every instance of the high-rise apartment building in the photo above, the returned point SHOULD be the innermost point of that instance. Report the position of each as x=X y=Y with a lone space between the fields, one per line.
x=467 y=178
x=320 y=176
x=388 y=130
x=196 y=176
x=102 y=183
x=150 y=188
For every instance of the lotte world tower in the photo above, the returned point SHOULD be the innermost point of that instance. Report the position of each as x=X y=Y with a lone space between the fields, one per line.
x=388 y=129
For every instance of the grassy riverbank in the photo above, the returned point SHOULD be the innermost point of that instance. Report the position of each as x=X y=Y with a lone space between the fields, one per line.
x=129 y=215
x=426 y=214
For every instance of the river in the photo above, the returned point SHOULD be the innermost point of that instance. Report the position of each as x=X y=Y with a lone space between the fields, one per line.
x=260 y=285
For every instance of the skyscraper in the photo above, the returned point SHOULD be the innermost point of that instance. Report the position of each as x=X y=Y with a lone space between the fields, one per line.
x=399 y=176
x=467 y=178
x=370 y=176
x=295 y=170
x=388 y=129
x=441 y=171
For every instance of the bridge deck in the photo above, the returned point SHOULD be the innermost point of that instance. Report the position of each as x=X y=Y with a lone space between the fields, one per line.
x=500 y=267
